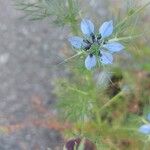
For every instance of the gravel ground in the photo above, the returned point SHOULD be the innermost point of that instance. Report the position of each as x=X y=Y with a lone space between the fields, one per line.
x=27 y=52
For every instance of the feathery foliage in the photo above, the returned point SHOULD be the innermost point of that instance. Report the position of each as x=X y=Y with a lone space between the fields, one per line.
x=63 y=11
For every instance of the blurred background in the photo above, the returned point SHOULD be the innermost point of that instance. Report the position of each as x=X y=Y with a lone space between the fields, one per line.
x=29 y=51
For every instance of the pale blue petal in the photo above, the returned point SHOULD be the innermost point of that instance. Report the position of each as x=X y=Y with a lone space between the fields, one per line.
x=106 y=57
x=106 y=29
x=90 y=62
x=87 y=27
x=145 y=129
x=148 y=117
x=114 y=46
x=76 y=42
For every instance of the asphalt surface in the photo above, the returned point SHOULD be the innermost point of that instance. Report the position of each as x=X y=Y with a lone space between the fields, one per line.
x=28 y=52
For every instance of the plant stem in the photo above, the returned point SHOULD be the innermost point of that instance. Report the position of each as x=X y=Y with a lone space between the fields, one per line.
x=137 y=11
x=77 y=90
x=125 y=38
x=111 y=101
x=66 y=60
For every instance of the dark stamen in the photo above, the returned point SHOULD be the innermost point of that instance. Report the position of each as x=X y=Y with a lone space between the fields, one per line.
x=99 y=53
x=86 y=41
x=93 y=37
x=87 y=47
x=98 y=42
x=91 y=55
x=105 y=42
x=99 y=37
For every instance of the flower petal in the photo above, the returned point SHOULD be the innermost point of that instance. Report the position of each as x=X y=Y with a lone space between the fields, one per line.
x=76 y=42
x=145 y=129
x=90 y=61
x=87 y=27
x=106 y=58
x=106 y=29
x=114 y=46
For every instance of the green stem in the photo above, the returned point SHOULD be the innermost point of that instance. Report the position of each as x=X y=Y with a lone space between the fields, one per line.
x=137 y=11
x=111 y=101
x=120 y=39
x=144 y=121
x=66 y=60
x=124 y=38
x=77 y=90
x=97 y=114
x=129 y=37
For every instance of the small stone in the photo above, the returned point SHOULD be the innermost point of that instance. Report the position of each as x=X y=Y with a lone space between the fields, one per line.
x=4 y=58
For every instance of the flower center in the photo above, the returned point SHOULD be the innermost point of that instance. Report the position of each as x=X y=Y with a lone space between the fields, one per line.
x=93 y=44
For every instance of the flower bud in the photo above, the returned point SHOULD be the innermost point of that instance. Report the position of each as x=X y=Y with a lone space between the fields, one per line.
x=76 y=143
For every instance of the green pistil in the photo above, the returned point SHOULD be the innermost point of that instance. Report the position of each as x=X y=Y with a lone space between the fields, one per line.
x=95 y=49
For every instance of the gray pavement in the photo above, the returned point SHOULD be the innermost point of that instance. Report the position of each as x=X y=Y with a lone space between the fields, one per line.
x=28 y=50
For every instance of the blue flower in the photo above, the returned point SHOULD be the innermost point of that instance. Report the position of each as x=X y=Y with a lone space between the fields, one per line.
x=77 y=42
x=113 y=46
x=106 y=29
x=145 y=129
x=87 y=27
x=106 y=48
x=106 y=57
x=90 y=61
